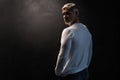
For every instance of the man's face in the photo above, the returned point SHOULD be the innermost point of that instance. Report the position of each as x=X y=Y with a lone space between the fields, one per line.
x=68 y=16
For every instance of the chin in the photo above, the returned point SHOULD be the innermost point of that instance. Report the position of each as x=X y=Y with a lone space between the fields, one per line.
x=67 y=23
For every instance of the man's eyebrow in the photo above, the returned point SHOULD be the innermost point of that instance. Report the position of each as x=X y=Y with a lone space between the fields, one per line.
x=66 y=13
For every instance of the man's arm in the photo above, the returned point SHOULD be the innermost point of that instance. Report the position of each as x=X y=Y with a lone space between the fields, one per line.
x=66 y=41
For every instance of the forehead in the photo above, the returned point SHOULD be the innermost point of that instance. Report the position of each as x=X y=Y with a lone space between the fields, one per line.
x=66 y=10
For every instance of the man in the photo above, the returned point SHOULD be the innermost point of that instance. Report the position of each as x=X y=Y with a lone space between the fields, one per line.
x=76 y=47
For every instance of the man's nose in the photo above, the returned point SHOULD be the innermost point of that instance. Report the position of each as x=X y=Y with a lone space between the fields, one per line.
x=65 y=16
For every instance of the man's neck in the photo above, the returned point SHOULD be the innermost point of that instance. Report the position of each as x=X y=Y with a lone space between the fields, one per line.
x=77 y=21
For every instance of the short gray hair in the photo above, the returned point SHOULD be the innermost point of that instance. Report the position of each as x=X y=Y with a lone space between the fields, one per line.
x=69 y=6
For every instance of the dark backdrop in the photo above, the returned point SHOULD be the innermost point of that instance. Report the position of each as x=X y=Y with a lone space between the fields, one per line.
x=30 y=32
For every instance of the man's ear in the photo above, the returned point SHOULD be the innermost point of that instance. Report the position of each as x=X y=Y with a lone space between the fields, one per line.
x=76 y=12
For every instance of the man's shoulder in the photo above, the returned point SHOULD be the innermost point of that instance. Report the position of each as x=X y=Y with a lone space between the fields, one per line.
x=67 y=30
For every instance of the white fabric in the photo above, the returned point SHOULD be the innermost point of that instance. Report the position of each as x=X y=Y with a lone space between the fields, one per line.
x=75 y=51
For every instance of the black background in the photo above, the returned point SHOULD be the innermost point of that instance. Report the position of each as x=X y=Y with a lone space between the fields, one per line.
x=30 y=32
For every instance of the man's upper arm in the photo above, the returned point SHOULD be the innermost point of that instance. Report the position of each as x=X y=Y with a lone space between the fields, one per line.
x=66 y=36
x=66 y=42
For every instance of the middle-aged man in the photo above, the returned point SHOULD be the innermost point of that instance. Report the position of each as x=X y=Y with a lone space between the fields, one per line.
x=76 y=47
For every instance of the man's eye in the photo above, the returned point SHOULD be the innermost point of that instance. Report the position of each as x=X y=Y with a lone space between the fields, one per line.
x=67 y=13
